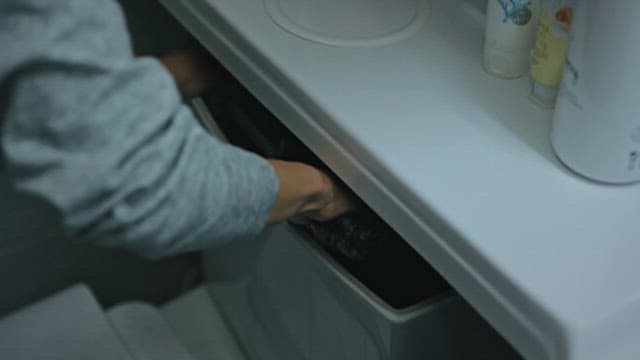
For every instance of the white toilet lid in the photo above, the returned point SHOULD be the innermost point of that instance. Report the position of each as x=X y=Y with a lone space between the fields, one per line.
x=349 y=23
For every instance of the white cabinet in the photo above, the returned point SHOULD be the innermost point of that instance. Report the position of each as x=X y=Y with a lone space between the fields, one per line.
x=298 y=303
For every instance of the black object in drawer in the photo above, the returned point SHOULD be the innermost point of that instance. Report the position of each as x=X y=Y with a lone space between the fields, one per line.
x=379 y=258
x=360 y=241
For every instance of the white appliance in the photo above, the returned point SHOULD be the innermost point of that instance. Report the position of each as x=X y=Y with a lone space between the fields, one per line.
x=596 y=126
x=486 y=172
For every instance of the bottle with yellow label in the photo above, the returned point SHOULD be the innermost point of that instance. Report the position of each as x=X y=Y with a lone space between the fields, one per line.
x=549 y=51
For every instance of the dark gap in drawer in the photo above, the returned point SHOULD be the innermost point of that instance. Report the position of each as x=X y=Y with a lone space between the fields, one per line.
x=379 y=258
x=360 y=241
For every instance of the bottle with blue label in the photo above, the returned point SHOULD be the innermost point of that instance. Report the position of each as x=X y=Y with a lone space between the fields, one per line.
x=510 y=32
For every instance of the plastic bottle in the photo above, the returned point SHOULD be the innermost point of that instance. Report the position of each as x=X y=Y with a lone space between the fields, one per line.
x=510 y=31
x=596 y=128
x=549 y=51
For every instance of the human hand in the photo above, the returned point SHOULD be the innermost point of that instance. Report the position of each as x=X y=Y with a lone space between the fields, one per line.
x=334 y=202
x=193 y=69
x=306 y=193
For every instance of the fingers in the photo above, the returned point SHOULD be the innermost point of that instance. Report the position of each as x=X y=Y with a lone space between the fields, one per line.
x=340 y=203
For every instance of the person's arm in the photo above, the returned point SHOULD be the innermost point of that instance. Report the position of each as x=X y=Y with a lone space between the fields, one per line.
x=106 y=139
x=304 y=192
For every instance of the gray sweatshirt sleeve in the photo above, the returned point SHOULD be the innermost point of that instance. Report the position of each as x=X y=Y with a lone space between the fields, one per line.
x=105 y=138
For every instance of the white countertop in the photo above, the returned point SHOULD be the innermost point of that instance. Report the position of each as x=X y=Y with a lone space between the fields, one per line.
x=460 y=164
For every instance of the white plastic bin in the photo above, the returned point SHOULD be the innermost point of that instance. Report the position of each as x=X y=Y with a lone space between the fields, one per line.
x=298 y=303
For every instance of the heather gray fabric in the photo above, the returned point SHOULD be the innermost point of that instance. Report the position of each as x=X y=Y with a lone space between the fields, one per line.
x=145 y=333
x=66 y=326
x=106 y=139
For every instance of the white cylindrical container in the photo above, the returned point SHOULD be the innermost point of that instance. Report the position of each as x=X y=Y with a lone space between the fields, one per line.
x=596 y=126
x=509 y=36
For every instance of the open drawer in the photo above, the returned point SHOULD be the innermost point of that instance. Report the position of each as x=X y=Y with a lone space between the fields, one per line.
x=297 y=302
x=292 y=294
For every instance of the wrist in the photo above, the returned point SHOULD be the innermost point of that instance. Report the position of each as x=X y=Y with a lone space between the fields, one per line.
x=192 y=69
x=173 y=63
x=303 y=189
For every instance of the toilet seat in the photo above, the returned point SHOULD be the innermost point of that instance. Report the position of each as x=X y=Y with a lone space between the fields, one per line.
x=355 y=23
